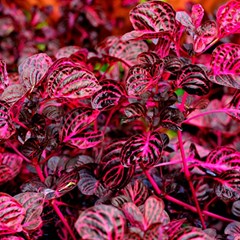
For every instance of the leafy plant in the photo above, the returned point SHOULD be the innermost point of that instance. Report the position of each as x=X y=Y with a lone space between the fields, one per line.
x=136 y=139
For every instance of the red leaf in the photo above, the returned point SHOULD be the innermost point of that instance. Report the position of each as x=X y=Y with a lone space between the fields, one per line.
x=197 y=14
x=137 y=192
x=108 y=96
x=10 y=166
x=228 y=18
x=185 y=20
x=101 y=222
x=193 y=79
x=225 y=64
x=4 y=80
x=66 y=79
x=11 y=212
x=66 y=52
x=145 y=150
x=33 y=68
x=33 y=204
x=134 y=215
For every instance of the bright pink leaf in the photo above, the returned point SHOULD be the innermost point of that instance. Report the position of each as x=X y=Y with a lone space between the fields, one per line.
x=197 y=15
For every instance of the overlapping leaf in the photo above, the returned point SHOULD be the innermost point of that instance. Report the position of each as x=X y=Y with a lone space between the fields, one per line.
x=228 y=18
x=228 y=186
x=4 y=80
x=145 y=150
x=112 y=173
x=194 y=80
x=101 y=222
x=11 y=213
x=108 y=96
x=10 y=166
x=66 y=79
x=33 y=205
x=236 y=208
x=233 y=230
x=225 y=65
x=33 y=68
x=151 y=19
x=7 y=128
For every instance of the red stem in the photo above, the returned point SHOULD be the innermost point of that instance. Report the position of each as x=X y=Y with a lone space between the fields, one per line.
x=180 y=203
x=62 y=218
x=188 y=177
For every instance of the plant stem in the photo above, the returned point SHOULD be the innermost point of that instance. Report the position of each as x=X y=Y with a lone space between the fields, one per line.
x=39 y=171
x=188 y=177
x=62 y=218
x=180 y=203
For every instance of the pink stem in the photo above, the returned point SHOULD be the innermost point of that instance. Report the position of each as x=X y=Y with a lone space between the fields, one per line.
x=62 y=218
x=180 y=203
x=188 y=177
x=18 y=152
x=39 y=172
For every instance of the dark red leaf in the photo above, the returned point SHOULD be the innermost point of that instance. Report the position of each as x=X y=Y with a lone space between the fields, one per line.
x=33 y=204
x=228 y=18
x=155 y=232
x=108 y=96
x=4 y=80
x=10 y=166
x=11 y=212
x=119 y=200
x=101 y=222
x=193 y=79
x=145 y=150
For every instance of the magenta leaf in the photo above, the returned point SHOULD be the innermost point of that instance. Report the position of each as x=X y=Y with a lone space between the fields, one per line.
x=139 y=80
x=33 y=68
x=10 y=166
x=228 y=186
x=33 y=204
x=134 y=215
x=153 y=210
x=233 y=230
x=172 y=227
x=197 y=15
x=191 y=233
x=134 y=111
x=150 y=19
x=66 y=79
x=148 y=58
x=145 y=150
x=66 y=183
x=4 y=80
x=236 y=208
x=12 y=212
x=204 y=36
x=225 y=64
x=172 y=63
x=31 y=149
x=101 y=222
x=193 y=79
x=108 y=96
x=7 y=128
x=171 y=118
x=67 y=51
x=155 y=232
x=235 y=103
x=13 y=93
x=119 y=200
x=185 y=20
x=136 y=191
x=228 y=18
x=223 y=158
x=76 y=121
x=11 y=238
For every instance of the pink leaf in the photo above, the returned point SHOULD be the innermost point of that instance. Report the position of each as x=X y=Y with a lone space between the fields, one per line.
x=153 y=210
x=33 y=68
x=67 y=51
x=228 y=16
x=4 y=80
x=108 y=96
x=134 y=215
x=233 y=229
x=11 y=212
x=145 y=150
x=197 y=15
x=10 y=166
x=33 y=204
x=190 y=232
x=185 y=20
x=101 y=222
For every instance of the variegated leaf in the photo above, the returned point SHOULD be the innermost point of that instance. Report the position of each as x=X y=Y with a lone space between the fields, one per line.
x=4 y=80
x=228 y=18
x=108 y=96
x=193 y=79
x=12 y=212
x=197 y=14
x=33 y=204
x=33 y=68
x=145 y=150
x=101 y=222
